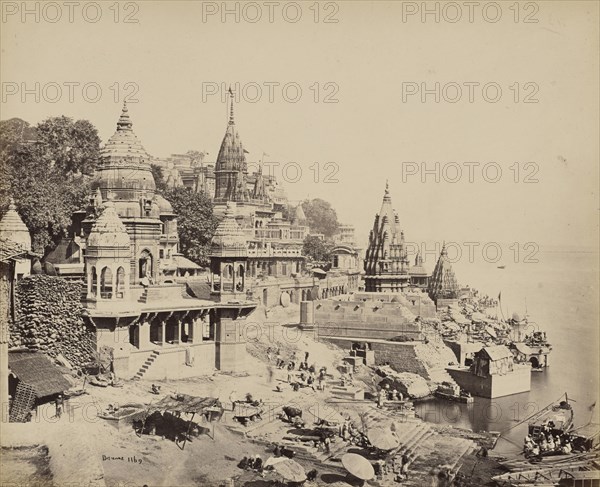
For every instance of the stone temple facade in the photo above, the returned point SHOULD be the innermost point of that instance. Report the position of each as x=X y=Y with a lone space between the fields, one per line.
x=387 y=268
x=124 y=247
x=274 y=242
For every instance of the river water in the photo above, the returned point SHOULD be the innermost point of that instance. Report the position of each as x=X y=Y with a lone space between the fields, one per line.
x=560 y=292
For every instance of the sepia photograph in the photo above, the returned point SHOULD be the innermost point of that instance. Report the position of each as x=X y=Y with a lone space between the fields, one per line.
x=300 y=243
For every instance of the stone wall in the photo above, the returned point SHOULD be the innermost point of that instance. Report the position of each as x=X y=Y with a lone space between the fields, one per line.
x=49 y=319
x=170 y=363
x=365 y=319
x=418 y=303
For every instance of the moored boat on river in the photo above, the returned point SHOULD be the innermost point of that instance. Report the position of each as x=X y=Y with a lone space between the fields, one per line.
x=556 y=419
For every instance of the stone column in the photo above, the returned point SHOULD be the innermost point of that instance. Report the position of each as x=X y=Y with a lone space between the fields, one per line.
x=144 y=335
x=113 y=282
x=163 y=332
x=177 y=338
x=191 y=326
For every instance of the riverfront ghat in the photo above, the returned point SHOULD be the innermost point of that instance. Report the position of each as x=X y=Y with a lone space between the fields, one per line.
x=194 y=366
x=282 y=358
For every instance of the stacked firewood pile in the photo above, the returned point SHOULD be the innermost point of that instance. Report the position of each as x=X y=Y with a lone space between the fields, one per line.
x=49 y=319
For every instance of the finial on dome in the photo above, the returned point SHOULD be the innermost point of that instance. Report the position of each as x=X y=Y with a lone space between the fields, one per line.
x=124 y=122
x=444 y=252
x=231 y=122
x=11 y=204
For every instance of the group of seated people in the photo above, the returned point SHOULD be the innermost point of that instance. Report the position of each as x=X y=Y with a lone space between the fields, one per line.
x=350 y=433
x=251 y=463
x=545 y=442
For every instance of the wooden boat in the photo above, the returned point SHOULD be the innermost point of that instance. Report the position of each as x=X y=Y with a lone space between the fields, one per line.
x=452 y=397
x=541 y=476
x=555 y=419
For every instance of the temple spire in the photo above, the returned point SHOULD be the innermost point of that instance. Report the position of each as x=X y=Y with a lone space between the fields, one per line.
x=231 y=122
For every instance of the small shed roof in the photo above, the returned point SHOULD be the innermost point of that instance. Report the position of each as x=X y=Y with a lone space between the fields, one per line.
x=185 y=263
x=497 y=352
x=10 y=250
x=37 y=370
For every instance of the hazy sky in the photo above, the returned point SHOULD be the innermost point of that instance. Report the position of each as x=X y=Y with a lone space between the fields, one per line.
x=366 y=61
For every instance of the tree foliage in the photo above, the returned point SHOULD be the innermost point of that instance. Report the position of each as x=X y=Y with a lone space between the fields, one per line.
x=159 y=177
x=46 y=171
x=316 y=249
x=73 y=147
x=196 y=222
x=321 y=216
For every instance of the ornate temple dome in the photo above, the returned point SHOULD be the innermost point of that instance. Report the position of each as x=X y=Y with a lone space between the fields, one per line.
x=231 y=167
x=108 y=232
x=13 y=228
x=386 y=253
x=232 y=155
x=229 y=238
x=443 y=283
x=124 y=171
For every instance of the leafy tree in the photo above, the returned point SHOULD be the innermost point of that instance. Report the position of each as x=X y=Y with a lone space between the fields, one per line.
x=196 y=222
x=316 y=249
x=159 y=177
x=73 y=147
x=47 y=174
x=321 y=216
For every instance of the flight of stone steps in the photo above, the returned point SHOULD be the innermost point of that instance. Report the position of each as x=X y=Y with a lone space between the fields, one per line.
x=439 y=375
x=146 y=365
x=144 y=296
x=433 y=453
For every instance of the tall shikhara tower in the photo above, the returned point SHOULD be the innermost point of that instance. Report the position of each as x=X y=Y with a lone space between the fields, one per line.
x=386 y=260
x=442 y=283
x=231 y=169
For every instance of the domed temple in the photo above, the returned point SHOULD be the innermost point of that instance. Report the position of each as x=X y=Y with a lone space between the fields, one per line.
x=387 y=267
x=276 y=270
x=124 y=176
x=274 y=242
x=125 y=247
